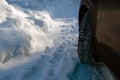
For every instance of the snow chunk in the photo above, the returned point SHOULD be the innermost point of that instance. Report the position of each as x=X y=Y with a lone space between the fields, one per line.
x=13 y=43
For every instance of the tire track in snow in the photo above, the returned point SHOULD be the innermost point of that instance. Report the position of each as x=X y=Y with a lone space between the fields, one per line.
x=48 y=66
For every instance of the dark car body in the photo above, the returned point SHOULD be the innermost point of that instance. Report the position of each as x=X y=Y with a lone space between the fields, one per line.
x=105 y=19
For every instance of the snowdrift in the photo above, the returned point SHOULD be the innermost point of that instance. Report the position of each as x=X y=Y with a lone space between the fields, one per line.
x=37 y=39
x=25 y=25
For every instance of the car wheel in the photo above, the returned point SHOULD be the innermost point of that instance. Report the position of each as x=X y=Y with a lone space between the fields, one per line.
x=85 y=38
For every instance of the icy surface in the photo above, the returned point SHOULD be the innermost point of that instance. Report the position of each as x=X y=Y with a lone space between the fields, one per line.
x=38 y=41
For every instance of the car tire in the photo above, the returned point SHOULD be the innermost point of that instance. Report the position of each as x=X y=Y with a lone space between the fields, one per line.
x=85 y=39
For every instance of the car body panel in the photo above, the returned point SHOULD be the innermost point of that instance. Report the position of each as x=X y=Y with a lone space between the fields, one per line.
x=108 y=23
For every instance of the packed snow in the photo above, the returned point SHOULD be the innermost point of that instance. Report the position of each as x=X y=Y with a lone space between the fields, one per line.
x=38 y=41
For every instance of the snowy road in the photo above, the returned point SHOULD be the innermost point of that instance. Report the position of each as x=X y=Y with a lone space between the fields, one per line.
x=38 y=41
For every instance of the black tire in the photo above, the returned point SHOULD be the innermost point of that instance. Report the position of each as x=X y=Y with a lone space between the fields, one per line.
x=85 y=38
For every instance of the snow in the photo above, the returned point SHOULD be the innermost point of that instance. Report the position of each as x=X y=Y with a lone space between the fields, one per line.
x=13 y=43
x=38 y=41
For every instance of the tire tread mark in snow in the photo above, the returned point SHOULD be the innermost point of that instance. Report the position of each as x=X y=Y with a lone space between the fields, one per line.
x=47 y=63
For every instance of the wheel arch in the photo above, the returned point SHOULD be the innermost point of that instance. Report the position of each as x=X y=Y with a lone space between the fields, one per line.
x=82 y=11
